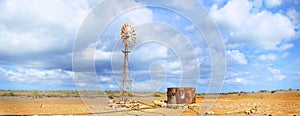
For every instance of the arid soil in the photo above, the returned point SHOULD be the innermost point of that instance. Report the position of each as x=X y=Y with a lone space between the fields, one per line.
x=277 y=103
x=18 y=105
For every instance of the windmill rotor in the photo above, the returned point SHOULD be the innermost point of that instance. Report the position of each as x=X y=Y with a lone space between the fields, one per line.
x=128 y=35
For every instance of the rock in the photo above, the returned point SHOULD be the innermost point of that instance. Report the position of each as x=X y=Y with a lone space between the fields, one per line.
x=251 y=111
x=42 y=106
x=247 y=112
x=160 y=103
x=209 y=112
x=111 y=101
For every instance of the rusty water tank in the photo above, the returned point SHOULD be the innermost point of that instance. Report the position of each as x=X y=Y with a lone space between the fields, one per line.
x=181 y=95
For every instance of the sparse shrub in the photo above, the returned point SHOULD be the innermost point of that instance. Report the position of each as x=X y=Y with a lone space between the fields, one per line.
x=130 y=94
x=201 y=93
x=273 y=91
x=263 y=91
x=35 y=95
x=156 y=95
x=52 y=95
x=111 y=97
x=290 y=89
x=233 y=92
x=9 y=94
x=110 y=94
x=242 y=93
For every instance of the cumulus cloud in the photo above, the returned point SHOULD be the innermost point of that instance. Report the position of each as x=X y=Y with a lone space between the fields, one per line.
x=264 y=29
x=239 y=77
x=236 y=57
x=237 y=80
x=294 y=16
x=42 y=31
x=98 y=54
x=105 y=79
x=231 y=74
x=297 y=73
x=273 y=3
x=54 y=77
x=268 y=57
x=241 y=80
x=28 y=27
x=276 y=74
x=150 y=52
x=182 y=5
x=39 y=34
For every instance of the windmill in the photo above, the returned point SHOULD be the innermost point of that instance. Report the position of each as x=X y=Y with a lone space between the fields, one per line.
x=128 y=38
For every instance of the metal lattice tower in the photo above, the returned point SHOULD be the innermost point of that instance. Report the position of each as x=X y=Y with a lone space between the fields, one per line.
x=128 y=39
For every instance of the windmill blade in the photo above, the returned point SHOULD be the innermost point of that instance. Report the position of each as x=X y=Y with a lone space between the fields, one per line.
x=128 y=35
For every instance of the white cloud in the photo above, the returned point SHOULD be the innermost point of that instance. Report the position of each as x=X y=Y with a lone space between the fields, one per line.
x=273 y=3
x=241 y=77
x=237 y=74
x=294 y=16
x=236 y=57
x=105 y=79
x=144 y=15
x=268 y=57
x=279 y=77
x=102 y=55
x=149 y=52
x=190 y=28
x=285 y=46
x=91 y=51
x=257 y=3
x=39 y=26
x=285 y=54
x=255 y=64
x=54 y=77
x=262 y=29
x=276 y=74
x=297 y=73
x=182 y=5
x=173 y=64
x=113 y=86
x=41 y=31
x=239 y=80
x=173 y=67
x=274 y=71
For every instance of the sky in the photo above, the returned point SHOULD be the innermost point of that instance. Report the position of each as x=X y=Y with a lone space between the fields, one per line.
x=44 y=45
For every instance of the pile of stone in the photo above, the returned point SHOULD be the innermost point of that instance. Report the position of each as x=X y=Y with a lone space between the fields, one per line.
x=251 y=111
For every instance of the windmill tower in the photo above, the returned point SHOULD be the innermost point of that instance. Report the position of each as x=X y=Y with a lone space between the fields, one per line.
x=128 y=37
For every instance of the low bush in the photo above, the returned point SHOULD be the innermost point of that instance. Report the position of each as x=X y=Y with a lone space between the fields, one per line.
x=263 y=91
x=156 y=95
x=35 y=95
x=9 y=94
x=273 y=91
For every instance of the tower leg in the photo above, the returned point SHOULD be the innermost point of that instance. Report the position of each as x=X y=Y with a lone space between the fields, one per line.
x=126 y=80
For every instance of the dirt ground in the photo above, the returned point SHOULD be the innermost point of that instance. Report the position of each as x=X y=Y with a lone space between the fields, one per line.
x=279 y=103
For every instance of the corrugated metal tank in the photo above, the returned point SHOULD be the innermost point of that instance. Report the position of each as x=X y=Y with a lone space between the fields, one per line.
x=181 y=95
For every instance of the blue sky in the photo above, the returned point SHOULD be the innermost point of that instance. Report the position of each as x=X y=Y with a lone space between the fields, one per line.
x=261 y=40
